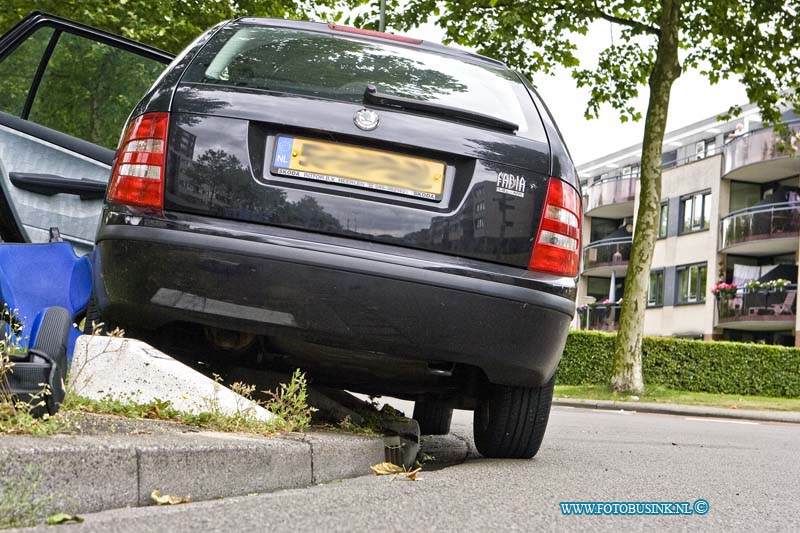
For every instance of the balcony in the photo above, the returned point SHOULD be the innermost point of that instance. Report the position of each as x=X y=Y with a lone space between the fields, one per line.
x=599 y=317
x=760 y=310
x=601 y=258
x=763 y=230
x=612 y=198
x=762 y=156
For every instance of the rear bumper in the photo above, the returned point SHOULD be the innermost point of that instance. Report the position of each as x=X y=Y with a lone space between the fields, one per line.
x=364 y=301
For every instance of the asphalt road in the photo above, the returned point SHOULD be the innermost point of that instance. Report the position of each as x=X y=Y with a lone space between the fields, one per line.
x=748 y=472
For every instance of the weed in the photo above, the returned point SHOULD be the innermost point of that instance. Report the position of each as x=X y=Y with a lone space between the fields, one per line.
x=156 y=409
x=348 y=426
x=289 y=404
x=19 y=507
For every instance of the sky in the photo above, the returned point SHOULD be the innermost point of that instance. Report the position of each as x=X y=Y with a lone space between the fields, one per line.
x=693 y=99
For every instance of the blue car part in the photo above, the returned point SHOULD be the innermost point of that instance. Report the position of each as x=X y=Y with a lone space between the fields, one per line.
x=37 y=276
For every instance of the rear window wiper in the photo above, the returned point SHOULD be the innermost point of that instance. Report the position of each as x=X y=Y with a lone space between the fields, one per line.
x=373 y=97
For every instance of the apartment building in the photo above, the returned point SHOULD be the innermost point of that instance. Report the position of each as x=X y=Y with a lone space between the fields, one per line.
x=730 y=213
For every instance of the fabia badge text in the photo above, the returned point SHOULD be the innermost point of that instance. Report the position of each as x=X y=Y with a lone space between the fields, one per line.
x=511 y=184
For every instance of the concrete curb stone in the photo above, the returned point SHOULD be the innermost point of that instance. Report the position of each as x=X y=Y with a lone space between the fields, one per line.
x=78 y=474
x=338 y=456
x=90 y=473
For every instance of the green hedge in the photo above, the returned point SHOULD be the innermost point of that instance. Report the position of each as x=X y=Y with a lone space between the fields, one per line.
x=697 y=366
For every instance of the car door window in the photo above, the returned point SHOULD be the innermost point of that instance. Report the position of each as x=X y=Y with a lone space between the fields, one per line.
x=88 y=88
x=18 y=70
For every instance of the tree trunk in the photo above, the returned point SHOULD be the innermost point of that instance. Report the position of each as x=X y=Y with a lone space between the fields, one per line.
x=627 y=365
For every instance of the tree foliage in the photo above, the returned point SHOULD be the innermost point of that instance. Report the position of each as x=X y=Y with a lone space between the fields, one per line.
x=166 y=24
x=754 y=41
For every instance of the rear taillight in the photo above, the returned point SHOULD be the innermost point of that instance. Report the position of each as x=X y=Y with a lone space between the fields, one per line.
x=138 y=176
x=558 y=244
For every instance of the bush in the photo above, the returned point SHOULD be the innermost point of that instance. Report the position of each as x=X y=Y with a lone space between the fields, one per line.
x=696 y=366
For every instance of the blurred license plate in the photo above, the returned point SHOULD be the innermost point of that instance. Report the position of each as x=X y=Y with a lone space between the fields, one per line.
x=345 y=164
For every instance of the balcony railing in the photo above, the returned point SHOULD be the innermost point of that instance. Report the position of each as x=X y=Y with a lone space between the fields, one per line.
x=611 y=192
x=758 y=146
x=607 y=253
x=599 y=317
x=759 y=306
x=634 y=172
x=710 y=151
x=774 y=221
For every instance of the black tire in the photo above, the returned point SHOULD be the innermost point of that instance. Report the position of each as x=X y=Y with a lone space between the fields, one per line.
x=433 y=416
x=509 y=422
x=52 y=339
x=92 y=316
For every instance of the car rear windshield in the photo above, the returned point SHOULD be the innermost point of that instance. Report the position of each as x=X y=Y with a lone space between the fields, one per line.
x=325 y=65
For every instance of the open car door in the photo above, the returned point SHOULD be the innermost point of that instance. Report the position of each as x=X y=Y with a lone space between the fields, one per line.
x=66 y=91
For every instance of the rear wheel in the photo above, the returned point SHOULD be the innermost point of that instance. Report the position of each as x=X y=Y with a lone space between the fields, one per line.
x=509 y=422
x=92 y=317
x=92 y=323
x=434 y=417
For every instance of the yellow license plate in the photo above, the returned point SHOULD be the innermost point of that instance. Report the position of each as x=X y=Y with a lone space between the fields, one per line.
x=344 y=164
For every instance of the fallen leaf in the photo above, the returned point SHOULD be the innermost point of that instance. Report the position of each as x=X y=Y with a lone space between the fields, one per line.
x=413 y=474
x=168 y=499
x=62 y=518
x=391 y=469
x=385 y=469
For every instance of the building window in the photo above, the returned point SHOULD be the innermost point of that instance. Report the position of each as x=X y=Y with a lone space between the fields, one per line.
x=479 y=223
x=663 y=219
x=696 y=211
x=691 y=283
x=668 y=159
x=480 y=206
x=655 y=293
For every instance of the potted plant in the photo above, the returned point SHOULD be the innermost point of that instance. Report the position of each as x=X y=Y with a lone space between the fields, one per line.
x=777 y=285
x=753 y=286
x=724 y=291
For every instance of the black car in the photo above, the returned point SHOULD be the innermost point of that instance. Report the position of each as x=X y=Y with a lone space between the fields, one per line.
x=392 y=216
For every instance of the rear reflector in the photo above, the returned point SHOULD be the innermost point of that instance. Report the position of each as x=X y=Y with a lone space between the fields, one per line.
x=138 y=176
x=558 y=246
x=373 y=33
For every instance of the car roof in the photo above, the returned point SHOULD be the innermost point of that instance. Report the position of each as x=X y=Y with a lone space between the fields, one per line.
x=328 y=28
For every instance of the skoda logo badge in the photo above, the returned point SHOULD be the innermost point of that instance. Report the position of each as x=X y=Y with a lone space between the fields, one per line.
x=366 y=119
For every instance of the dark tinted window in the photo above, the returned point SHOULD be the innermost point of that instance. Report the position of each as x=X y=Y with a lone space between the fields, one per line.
x=663 y=220
x=339 y=67
x=89 y=88
x=602 y=228
x=668 y=159
x=655 y=292
x=18 y=69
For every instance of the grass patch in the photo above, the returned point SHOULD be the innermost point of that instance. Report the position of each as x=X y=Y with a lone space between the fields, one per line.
x=350 y=427
x=287 y=404
x=19 y=421
x=661 y=394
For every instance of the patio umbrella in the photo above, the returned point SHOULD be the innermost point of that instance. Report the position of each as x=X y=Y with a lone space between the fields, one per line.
x=788 y=272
